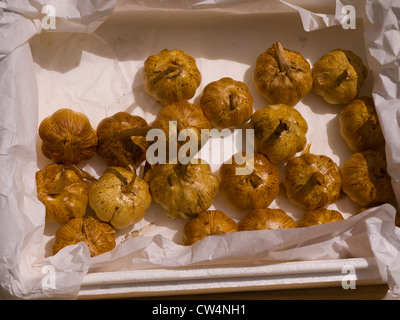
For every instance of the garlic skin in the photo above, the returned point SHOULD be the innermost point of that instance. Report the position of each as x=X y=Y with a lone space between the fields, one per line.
x=319 y=216
x=119 y=197
x=265 y=219
x=99 y=236
x=365 y=178
x=121 y=149
x=183 y=190
x=227 y=103
x=312 y=181
x=170 y=76
x=255 y=190
x=282 y=76
x=359 y=125
x=63 y=192
x=338 y=76
x=67 y=137
x=279 y=132
x=207 y=223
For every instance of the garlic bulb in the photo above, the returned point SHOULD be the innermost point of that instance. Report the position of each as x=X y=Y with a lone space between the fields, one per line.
x=255 y=190
x=312 y=181
x=365 y=178
x=338 y=76
x=227 y=103
x=119 y=197
x=116 y=145
x=282 y=76
x=170 y=76
x=207 y=223
x=359 y=125
x=279 y=132
x=183 y=190
x=67 y=137
x=264 y=219
x=64 y=192
x=319 y=216
x=99 y=236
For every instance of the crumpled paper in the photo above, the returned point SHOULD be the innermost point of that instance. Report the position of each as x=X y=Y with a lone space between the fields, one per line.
x=26 y=273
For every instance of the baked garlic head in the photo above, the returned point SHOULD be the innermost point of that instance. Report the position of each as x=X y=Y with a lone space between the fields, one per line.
x=279 y=132
x=227 y=103
x=64 y=192
x=67 y=137
x=183 y=190
x=359 y=125
x=119 y=197
x=312 y=181
x=282 y=76
x=207 y=223
x=170 y=76
x=365 y=178
x=265 y=219
x=319 y=216
x=99 y=236
x=338 y=76
x=115 y=143
x=250 y=191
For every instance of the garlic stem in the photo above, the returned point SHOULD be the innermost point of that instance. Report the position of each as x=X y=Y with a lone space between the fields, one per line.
x=283 y=61
x=138 y=131
x=318 y=178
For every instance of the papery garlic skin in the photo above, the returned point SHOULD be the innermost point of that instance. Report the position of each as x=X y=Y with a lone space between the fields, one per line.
x=338 y=76
x=119 y=197
x=265 y=219
x=207 y=223
x=183 y=190
x=170 y=76
x=227 y=103
x=319 y=216
x=67 y=137
x=99 y=236
x=63 y=192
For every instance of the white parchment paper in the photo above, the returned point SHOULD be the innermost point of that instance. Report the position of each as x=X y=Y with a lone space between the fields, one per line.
x=92 y=63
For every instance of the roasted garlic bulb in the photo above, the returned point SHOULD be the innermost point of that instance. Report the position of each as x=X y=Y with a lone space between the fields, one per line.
x=312 y=181
x=227 y=103
x=99 y=236
x=338 y=76
x=264 y=219
x=282 y=76
x=207 y=223
x=117 y=145
x=119 y=197
x=64 y=192
x=254 y=190
x=67 y=137
x=183 y=190
x=170 y=76
x=279 y=132
x=319 y=216
x=365 y=178
x=359 y=125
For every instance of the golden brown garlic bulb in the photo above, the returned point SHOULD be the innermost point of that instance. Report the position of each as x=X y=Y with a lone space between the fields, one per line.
x=365 y=178
x=282 y=76
x=116 y=145
x=254 y=190
x=319 y=216
x=312 y=181
x=99 y=236
x=207 y=223
x=64 y=192
x=359 y=125
x=264 y=219
x=279 y=132
x=67 y=137
x=170 y=76
x=119 y=197
x=338 y=76
x=183 y=190
x=227 y=103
